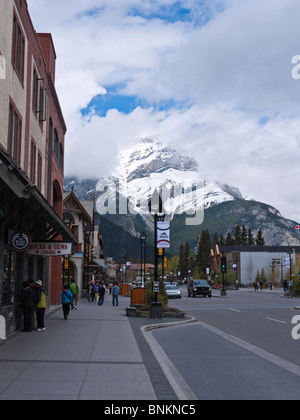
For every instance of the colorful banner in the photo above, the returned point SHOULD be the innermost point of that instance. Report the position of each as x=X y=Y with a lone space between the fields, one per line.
x=163 y=235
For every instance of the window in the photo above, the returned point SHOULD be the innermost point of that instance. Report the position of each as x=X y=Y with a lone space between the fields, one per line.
x=35 y=91
x=9 y=279
x=33 y=161
x=18 y=49
x=55 y=143
x=40 y=168
x=14 y=133
x=39 y=97
x=61 y=156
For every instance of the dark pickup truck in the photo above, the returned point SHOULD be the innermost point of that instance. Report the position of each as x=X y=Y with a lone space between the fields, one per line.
x=199 y=287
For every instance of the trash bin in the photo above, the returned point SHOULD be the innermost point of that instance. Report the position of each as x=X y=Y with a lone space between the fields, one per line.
x=138 y=296
x=125 y=289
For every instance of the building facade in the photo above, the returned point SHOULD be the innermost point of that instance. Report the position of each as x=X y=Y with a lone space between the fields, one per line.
x=244 y=262
x=86 y=263
x=32 y=131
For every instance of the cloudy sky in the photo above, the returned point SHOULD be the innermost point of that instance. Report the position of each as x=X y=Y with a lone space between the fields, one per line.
x=213 y=78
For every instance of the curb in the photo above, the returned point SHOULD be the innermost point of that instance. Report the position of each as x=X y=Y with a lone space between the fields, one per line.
x=182 y=390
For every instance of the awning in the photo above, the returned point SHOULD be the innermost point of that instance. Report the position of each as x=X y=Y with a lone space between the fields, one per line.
x=34 y=209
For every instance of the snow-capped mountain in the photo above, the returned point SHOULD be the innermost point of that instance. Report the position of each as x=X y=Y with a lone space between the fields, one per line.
x=153 y=166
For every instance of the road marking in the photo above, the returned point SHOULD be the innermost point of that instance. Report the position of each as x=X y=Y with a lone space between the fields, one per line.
x=270 y=357
x=276 y=320
x=235 y=310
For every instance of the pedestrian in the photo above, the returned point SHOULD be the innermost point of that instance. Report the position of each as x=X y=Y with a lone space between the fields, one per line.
x=96 y=291
x=261 y=283
x=40 y=305
x=28 y=301
x=74 y=290
x=285 y=286
x=115 y=295
x=102 y=291
x=66 y=301
x=110 y=285
x=91 y=291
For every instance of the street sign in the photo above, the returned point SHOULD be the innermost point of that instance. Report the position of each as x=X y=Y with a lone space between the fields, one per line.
x=155 y=287
x=50 y=249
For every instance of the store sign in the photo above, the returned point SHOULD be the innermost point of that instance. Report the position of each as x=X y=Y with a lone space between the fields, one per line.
x=163 y=234
x=20 y=241
x=50 y=249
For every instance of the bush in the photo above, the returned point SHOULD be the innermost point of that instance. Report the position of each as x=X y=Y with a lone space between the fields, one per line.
x=296 y=288
x=161 y=297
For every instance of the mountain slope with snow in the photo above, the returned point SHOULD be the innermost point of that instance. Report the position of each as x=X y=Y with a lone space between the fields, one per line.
x=191 y=202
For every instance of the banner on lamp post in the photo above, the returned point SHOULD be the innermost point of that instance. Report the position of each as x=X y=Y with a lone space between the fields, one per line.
x=163 y=235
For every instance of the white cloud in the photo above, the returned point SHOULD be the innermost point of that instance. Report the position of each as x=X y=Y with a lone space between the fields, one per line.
x=242 y=117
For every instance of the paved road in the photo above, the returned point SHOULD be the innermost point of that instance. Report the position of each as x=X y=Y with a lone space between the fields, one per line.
x=240 y=348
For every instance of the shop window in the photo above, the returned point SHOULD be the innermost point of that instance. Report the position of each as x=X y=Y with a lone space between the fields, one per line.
x=9 y=278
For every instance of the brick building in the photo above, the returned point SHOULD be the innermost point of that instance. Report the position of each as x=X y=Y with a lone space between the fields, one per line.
x=32 y=131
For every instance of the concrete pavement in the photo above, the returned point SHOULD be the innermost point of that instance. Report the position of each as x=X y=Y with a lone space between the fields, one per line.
x=98 y=353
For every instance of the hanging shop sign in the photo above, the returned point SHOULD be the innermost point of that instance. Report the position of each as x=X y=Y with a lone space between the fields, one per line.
x=50 y=249
x=163 y=234
x=20 y=241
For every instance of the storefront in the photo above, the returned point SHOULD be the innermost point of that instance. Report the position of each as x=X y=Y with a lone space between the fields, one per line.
x=26 y=218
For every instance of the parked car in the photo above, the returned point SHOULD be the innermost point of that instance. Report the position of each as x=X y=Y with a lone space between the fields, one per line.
x=199 y=287
x=173 y=291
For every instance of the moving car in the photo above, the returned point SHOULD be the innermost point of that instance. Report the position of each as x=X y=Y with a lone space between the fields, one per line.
x=173 y=291
x=199 y=287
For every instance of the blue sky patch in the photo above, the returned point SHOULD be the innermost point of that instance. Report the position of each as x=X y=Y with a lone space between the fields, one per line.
x=170 y=13
x=101 y=104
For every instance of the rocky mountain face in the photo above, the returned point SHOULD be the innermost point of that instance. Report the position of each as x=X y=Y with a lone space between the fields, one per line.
x=191 y=202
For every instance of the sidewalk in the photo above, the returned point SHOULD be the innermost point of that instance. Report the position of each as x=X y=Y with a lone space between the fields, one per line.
x=93 y=355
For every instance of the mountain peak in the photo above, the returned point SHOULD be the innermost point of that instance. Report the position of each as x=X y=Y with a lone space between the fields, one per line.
x=152 y=156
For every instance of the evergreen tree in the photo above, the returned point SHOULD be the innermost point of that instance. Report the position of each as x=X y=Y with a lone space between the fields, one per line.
x=202 y=257
x=184 y=261
x=237 y=236
x=215 y=240
x=222 y=241
x=244 y=236
x=180 y=267
x=259 y=239
x=187 y=259
x=250 y=240
x=229 y=240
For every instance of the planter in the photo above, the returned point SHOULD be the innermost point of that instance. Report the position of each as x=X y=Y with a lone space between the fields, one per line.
x=138 y=296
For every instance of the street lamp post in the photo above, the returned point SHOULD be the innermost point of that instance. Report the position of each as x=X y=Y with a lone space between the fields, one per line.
x=143 y=238
x=290 y=251
x=87 y=233
x=156 y=207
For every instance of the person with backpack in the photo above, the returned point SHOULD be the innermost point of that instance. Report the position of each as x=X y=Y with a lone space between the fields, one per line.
x=66 y=300
x=74 y=290
x=40 y=305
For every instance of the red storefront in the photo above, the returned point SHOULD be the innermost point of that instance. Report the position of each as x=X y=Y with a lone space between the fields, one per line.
x=32 y=135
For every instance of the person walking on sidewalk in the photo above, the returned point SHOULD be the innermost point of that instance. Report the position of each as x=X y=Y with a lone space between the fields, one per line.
x=74 y=290
x=40 y=306
x=102 y=291
x=66 y=300
x=28 y=301
x=115 y=295
x=96 y=290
